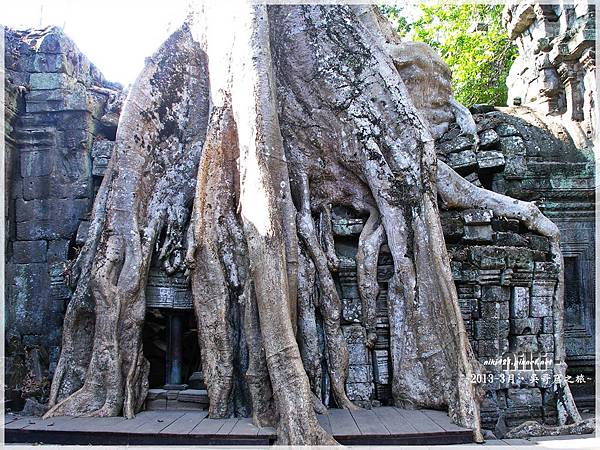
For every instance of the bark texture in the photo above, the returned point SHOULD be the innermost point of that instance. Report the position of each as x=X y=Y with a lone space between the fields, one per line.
x=263 y=121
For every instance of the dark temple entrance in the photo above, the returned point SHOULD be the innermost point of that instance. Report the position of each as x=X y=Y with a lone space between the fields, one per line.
x=171 y=344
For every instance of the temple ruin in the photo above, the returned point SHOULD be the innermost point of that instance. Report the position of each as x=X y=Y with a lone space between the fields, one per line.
x=61 y=124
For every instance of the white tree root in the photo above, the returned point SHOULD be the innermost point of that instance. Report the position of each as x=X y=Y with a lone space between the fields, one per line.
x=354 y=116
x=308 y=337
x=434 y=363
x=370 y=240
x=330 y=304
x=326 y=235
x=76 y=340
x=465 y=120
x=259 y=264
x=257 y=375
x=264 y=201
x=210 y=280
x=535 y=429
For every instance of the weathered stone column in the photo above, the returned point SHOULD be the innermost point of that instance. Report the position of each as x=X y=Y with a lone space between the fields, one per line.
x=572 y=82
x=175 y=357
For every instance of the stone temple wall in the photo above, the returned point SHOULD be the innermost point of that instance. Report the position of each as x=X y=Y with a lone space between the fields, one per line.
x=61 y=125
x=61 y=121
x=555 y=71
x=504 y=274
x=555 y=76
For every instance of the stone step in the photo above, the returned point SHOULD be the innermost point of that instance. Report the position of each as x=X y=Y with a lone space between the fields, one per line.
x=187 y=395
x=193 y=395
x=188 y=399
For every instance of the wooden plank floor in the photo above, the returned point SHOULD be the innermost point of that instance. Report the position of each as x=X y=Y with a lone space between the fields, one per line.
x=378 y=426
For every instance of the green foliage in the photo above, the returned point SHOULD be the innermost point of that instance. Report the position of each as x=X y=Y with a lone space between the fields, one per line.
x=471 y=40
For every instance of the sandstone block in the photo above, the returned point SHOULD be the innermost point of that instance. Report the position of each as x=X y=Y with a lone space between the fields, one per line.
x=517 y=398
x=519 y=303
x=506 y=129
x=548 y=325
x=488 y=348
x=494 y=310
x=58 y=250
x=457 y=144
x=49 y=62
x=360 y=374
x=29 y=251
x=381 y=367
x=541 y=306
x=358 y=354
x=513 y=146
x=477 y=216
x=36 y=163
x=525 y=343
x=50 y=81
x=487 y=257
x=515 y=168
x=510 y=239
x=503 y=332
x=36 y=187
x=31 y=282
x=359 y=391
x=546 y=343
x=486 y=328
x=543 y=288
x=490 y=161
x=102 y=149
x=491 y=293
x=488 y=138
x=525 y=326
x=462 y=161
x=478 y=233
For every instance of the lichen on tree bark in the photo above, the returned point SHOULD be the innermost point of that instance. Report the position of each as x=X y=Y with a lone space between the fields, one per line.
x=264 y=120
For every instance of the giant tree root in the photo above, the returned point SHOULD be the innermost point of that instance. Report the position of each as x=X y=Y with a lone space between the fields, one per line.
x=307 y=111
x=330 y=304
x=536 y=429
x=371 y=238
x=308 y=335
x=346 y=113
x=158 y=146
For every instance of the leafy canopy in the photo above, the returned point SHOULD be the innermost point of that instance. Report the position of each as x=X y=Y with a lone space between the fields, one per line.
x=471 y=40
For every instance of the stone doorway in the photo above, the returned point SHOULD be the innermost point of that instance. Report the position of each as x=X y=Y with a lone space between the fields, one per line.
x=171 y=344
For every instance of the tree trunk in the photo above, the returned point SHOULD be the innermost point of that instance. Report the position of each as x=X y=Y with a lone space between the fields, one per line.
x=268 y=118
x=147 y=189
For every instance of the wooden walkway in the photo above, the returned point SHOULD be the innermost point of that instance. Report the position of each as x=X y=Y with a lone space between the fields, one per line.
x=379 y=426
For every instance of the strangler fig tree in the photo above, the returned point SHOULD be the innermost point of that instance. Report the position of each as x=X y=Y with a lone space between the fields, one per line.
x=240 y=135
